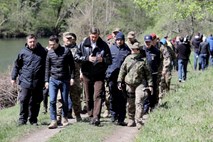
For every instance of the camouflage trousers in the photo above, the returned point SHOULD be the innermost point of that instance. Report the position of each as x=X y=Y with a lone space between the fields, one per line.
x=75 y=96
x=107 y=97
x=135 y=98
x=165 y=84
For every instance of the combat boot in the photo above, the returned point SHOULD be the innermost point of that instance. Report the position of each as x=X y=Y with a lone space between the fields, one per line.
x=53 y=124
x=59 y=119
x=65 y=121
x=139 y=125
x=106 y=114
x=131 y=123
x=78 y=118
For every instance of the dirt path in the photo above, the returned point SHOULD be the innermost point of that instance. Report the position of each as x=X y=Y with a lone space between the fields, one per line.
x=123 y=134
x=120 y=134
x=43 y=134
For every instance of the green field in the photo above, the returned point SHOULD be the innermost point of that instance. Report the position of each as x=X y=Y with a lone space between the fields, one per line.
x=184 y=116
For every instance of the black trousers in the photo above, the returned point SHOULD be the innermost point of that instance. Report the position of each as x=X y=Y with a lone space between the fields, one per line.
x=45 y=98
x=118 y=102
x=30 y=100
x=152 y=100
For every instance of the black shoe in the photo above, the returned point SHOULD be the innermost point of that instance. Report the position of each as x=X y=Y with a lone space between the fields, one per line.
x=113 y=118
x=34 y=124
x=95 y=122
x=121 y=124
x=20 y=123
x=84 y=111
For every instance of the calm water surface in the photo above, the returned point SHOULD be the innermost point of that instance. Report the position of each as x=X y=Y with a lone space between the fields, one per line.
x=9 y=49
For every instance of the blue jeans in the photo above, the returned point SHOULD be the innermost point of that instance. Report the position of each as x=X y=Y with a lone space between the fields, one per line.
x=211 y=60
x=203 y=61
x=196 y=57
x=182 y=69
x=54 y=86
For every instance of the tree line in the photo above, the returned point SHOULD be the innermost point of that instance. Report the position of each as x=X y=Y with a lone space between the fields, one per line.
x=46 y=17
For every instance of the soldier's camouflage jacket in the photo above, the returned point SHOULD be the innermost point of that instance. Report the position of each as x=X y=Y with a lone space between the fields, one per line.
x=168 y=56
x=134 y=71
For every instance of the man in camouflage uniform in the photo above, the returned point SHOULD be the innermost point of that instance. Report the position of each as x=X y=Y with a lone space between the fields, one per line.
x=111 y=41
x=131 y=39
x=76 y=89
x=107 y=93
x=168 y=56
x=136 y=75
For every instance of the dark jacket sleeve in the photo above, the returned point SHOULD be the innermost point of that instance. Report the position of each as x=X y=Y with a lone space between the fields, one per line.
x=47 y=68
x=108 y=57
x=17 y=67
x=80 y=55
x=71 y=64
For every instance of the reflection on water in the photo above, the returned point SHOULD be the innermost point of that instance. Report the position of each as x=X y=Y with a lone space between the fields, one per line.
x=9 y=49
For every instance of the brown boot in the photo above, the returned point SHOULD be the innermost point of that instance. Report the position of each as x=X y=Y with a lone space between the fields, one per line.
x=139 y=125
x=131 y=123
x=53 y=124
x=59 y=120
x=65 y=121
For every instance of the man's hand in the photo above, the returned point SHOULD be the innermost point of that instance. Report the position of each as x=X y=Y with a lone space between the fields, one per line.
x=13 y=82
x=151 y=90
x=72 y=81
x=46 y=85
x=99 y=59
x=81 y=76
x=119 y=86
x=92 y=58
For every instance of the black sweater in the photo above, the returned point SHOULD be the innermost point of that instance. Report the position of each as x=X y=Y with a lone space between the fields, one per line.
x=183 y=51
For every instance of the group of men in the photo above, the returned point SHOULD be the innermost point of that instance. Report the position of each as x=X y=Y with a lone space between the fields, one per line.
x=133 y=76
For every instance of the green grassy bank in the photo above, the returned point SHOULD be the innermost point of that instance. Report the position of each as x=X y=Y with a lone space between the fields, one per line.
x=185 y=115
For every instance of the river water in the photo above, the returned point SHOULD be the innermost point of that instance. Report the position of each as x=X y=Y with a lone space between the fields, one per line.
x=9 y=49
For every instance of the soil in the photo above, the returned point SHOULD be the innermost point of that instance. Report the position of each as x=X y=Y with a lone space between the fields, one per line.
x=121 y=134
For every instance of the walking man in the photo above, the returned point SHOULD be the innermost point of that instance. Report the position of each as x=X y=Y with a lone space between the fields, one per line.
x=183 y=52
x=154 y=61
x=118 y=99
x=69 y=40
x=137 y=77
x=29 y=67
x=59 y=75
x=94 y=55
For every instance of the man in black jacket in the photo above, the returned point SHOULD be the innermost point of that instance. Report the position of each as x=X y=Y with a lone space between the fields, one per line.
x=183 y=52
x=30 y=67
x=59 y=75
x=94 y=55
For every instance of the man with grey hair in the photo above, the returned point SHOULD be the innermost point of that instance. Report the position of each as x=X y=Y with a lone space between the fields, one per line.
x=94 y=55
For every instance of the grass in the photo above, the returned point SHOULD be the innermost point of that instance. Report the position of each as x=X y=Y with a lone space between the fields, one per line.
x=185 y=115
x=83 y=132
x=10 y=131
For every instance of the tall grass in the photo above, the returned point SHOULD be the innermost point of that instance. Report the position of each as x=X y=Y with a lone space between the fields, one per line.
x=185 y=115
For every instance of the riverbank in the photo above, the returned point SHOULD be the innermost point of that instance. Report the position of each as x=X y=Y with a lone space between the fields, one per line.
x=8 y=93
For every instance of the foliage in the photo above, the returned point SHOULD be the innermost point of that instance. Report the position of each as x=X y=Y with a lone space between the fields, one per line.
x=170 y=17
x=182 y=16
